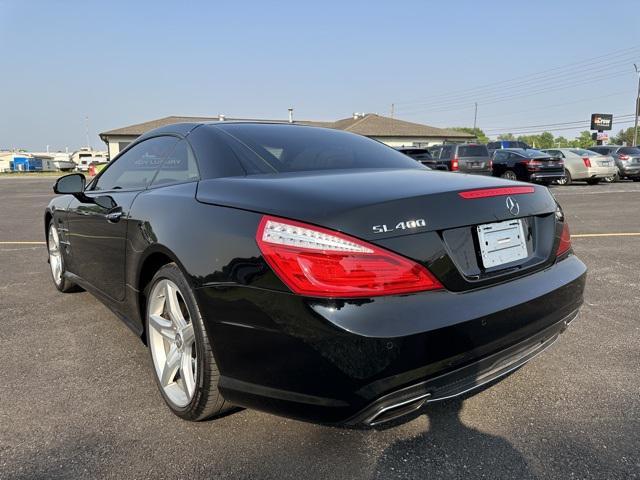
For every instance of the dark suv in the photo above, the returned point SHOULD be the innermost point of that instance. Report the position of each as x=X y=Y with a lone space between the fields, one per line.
x=527 y=165
x=627 y=159
x=463 y=158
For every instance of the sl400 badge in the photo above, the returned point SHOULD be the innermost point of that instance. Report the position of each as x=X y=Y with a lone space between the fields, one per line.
x=407 y=225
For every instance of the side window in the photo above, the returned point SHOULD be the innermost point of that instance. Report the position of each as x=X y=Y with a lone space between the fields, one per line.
x=135 y=168
x=178 y=166
x=446 y=152
x=500 y=155
x=435 y=151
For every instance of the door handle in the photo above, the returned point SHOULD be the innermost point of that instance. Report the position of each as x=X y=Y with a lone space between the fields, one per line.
x=114 y=216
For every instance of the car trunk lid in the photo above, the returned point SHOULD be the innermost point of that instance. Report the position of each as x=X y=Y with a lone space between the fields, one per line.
x=373 y=204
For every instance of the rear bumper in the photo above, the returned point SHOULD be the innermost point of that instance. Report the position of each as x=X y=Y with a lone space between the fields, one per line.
x=602 y=172
x=343 y=362
x=477 y=172
x=460 y=381
x=546 y=176
x=630 y=170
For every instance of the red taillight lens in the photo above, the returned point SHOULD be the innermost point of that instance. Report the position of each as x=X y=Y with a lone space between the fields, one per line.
x=317 y=262
x=454 y=164
x=565 y=240
x=622 y=156
x=587 y=162
x=495 y=192
x=490 y=164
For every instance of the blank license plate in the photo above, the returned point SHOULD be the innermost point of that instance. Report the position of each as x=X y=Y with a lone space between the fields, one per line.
x=502 y=242
x=605 y=164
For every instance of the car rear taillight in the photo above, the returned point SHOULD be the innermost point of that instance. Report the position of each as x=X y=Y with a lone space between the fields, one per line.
x=490 y=164
x=622 y=156
x=565 y=240
x=318 y=262
x=455 y=165
x=587 y=162
x=534 y=164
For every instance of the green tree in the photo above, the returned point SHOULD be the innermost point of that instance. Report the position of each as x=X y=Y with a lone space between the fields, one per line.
x=584 y=140
x=480 y=135
x=506 y=136
x=545 y=140
x=623 y=136
x=561 y=142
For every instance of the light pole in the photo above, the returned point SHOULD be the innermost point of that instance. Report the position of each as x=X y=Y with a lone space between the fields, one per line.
x=635 y=128
x=475 y=116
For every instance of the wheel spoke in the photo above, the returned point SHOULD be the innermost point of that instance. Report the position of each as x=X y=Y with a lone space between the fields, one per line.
x=186 y=372
x=163 y=326
x=173 y=306
x=171 y=366
x=187 y=335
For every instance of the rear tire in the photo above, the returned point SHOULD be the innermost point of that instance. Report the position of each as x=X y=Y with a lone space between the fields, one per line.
x=56 y=261
x=509 y=175
x=182 y=359
x=593 y=181
x=636 y=179
x=612 y=179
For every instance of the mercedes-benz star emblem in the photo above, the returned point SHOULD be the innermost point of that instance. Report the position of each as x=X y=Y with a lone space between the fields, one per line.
x=513 y=206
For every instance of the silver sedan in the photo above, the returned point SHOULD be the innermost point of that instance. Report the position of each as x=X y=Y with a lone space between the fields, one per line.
x=581 y=164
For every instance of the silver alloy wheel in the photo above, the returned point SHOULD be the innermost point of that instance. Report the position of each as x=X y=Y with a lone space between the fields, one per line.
x=562 y=181
x=509 y=175
x=55 y=256
x=172 y=342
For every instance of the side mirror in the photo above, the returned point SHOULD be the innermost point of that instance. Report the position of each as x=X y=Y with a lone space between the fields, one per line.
x=73 y=184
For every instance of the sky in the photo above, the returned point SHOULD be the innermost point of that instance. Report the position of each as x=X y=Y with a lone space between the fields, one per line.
x=528 y=65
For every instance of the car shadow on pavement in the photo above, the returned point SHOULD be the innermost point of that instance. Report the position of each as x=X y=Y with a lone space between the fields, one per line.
x=450 y=449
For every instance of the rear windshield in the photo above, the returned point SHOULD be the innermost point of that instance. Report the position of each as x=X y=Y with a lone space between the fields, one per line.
x=473 y=151
x=531 y=153
x=630 y=151
x=582 y=152
x=270 y=148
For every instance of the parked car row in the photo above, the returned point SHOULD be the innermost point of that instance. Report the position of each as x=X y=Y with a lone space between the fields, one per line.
x=515 y=160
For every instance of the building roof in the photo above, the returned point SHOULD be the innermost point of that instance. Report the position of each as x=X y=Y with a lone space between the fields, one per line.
x=373 y=125
x=370 y=125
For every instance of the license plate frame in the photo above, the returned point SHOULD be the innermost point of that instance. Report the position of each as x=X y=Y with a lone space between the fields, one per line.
x=502 y=243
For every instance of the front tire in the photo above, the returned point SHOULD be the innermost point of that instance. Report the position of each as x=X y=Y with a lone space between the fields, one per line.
x=56 y=261
x=612 y=179
x=185 y=370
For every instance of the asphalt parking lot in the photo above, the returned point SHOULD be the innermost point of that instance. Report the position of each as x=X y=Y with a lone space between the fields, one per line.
x=77 y=397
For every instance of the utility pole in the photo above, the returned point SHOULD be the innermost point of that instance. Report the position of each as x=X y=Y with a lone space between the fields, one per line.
x=393 y=109
x=635 y=128
x=475 y=116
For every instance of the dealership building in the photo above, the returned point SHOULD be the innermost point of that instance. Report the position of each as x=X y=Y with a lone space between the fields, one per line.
x=391 y=131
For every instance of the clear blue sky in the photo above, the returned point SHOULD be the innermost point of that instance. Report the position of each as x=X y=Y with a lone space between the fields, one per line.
x=128 y=62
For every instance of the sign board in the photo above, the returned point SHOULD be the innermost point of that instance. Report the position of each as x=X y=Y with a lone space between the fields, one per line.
x=602 y=136
x=601 y=121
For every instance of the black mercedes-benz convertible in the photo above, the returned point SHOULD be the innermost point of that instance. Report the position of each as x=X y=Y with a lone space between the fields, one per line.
x=313 y=273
